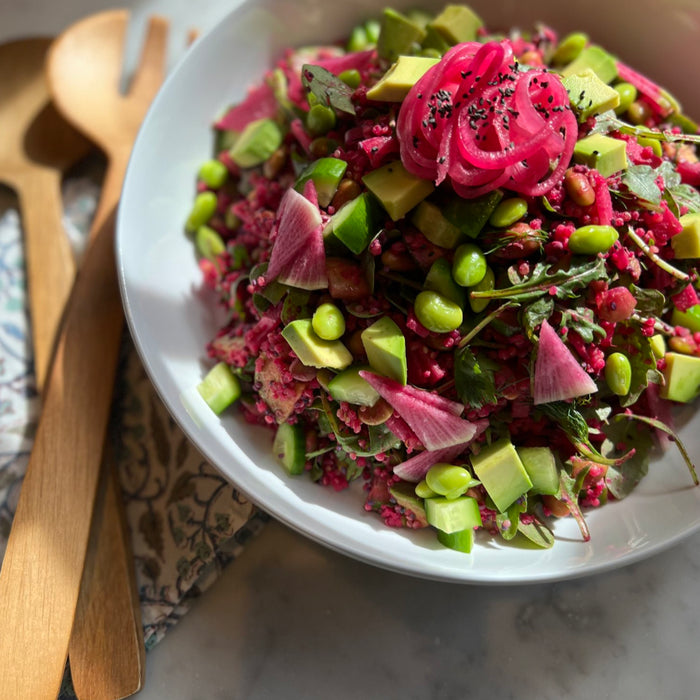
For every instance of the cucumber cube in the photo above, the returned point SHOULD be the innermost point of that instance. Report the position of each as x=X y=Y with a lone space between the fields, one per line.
x=454 y=515
x=219 y=388
x=541 y=466
x=460 y=541
x=289 y=446
x=326 y=174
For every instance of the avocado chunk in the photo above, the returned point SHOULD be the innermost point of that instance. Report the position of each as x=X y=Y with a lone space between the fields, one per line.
x=435 y=41
x=471 y=215
x=397 y=190
x=604 y=153
x=689 y=319
x=589 y=95
x=596 y=59
x=289 y=446
x=453 y=515
x=385 y=346
x=686 y=243
x=397 y=35
x=405 y=495
x=658 y=342
x=326 y=174
x=219 y=388
x=257 y=142
x=501 y=471
x=431 y=222
x=681 y=377
x=439 y=279
x=457 y=24
x=541 y=467
x=355 y=223
x=351 y=387
x=313 y=351
x=395 y=84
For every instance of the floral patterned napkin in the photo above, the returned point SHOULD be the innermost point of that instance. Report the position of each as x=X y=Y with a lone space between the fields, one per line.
x=187 y=522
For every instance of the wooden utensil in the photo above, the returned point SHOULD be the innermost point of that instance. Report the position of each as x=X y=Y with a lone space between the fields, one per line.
x=84 y=70
x=45 y=556
x=36 y=148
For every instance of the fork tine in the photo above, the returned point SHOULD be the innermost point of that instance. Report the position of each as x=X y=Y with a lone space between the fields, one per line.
x=151 y=68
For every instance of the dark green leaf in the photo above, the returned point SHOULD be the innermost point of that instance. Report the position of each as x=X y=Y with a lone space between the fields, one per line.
x=508 y=523
x=296 y=305
x=329 y=90
x=621 y=479
x=569 y=419
x=474 y=382
x=683 y=196
x=644 y=370
x=650 y=302
x=582 y=320
x=568 y=492
x=536 y=313
x=641 y=180
x=538 y=533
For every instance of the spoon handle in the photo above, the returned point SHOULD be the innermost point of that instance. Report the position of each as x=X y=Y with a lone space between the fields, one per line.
x=43 y=565
x=50 y=263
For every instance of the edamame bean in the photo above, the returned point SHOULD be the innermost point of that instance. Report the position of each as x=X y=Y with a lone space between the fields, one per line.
x=358 y=40
x=486 y=285
x=213 y=173
x=592 y=239
x=351 y=77
x=618 y=373
x=627 y=93
x=202 y=210
x=508 y=212
x=437 y=313
x=424 y=491
x=448 y=480
x=469 y=265
x=579 y=188
x=569 y=48
x=320 y=120
x=209 y=243
x=328 y=322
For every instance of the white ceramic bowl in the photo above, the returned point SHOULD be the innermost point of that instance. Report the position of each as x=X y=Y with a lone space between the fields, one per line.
x=171 y=319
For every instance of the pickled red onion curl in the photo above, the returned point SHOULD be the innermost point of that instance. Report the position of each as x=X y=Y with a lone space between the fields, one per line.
x=482 y=121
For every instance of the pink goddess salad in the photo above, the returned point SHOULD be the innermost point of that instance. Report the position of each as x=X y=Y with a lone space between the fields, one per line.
x=460 y=267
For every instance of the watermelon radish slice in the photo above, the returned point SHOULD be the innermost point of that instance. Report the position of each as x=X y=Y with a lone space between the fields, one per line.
x=298 y=257
x=435 y=423
x=259 y=103
x=415 y=468
x=558 y=376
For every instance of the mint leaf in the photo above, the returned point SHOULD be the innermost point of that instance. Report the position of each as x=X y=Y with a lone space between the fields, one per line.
x=474 y=382
x=329 y=90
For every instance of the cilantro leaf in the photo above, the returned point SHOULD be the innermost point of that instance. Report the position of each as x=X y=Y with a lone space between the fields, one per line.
x=327 y=88
x=474 y=381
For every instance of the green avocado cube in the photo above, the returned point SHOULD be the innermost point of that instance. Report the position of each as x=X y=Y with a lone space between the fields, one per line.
x=681 y=377
x=596 y=59
x=398 y=34
x=397 y=190
x=355 y=223
x=431 y=222
x=326 y=174
x=502 y=473
x=686 y=244
x=689 y=319
x=385 y=346
x=313 y=351
x=603 y=153
x=471 y=215
x=351 y=387
x=457 y=24
x=257 y=142
x=589 y=95
x=395 y=84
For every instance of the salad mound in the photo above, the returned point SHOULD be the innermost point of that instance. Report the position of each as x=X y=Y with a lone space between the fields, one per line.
x=460 y=266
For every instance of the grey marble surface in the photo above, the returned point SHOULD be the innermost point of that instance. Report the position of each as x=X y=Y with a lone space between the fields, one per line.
x=292 y=620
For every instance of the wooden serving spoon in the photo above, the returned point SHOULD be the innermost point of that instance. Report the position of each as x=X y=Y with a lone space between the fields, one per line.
x=36 y=148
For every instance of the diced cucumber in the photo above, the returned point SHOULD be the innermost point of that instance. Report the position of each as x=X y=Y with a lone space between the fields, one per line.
x=461 y=541
x=452 y=515
x=351 y=387
x=289 y=446
x=326 y=174
x=541 y=467
x=219 y=388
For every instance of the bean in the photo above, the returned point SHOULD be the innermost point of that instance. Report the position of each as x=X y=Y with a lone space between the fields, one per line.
x=628 y=94
x=469 y=265
x=639 y=112
x=437 y=313
x=508 y=212
x=569 y=48
x=202 y=210
x=592 y=239
x=358 y=40
x=397 y=259
x=320 y=120
x=373 y=27
x=579 y=188
x=347 y=189
x=424 y=491
x=213 y=173
x=209 y=243
x=375 y=415
x=448 y=480
x=328 y=322
x=486 y=285
x=351 y=77
x=618 y=373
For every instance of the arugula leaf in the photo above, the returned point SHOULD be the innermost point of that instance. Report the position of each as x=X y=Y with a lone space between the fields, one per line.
x=536 y=313
x=474 y=381
x=327 y=88
x=644 y=370
x=650 y=302
x=568 y=492
x=621 y=479
x=508 y=522
x=537 y=533
x=641 y=181
x=560 y=284
x=582 y=320
x=682 y=195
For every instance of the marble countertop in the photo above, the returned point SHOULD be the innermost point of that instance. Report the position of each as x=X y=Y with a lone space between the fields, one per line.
x=290 y=619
